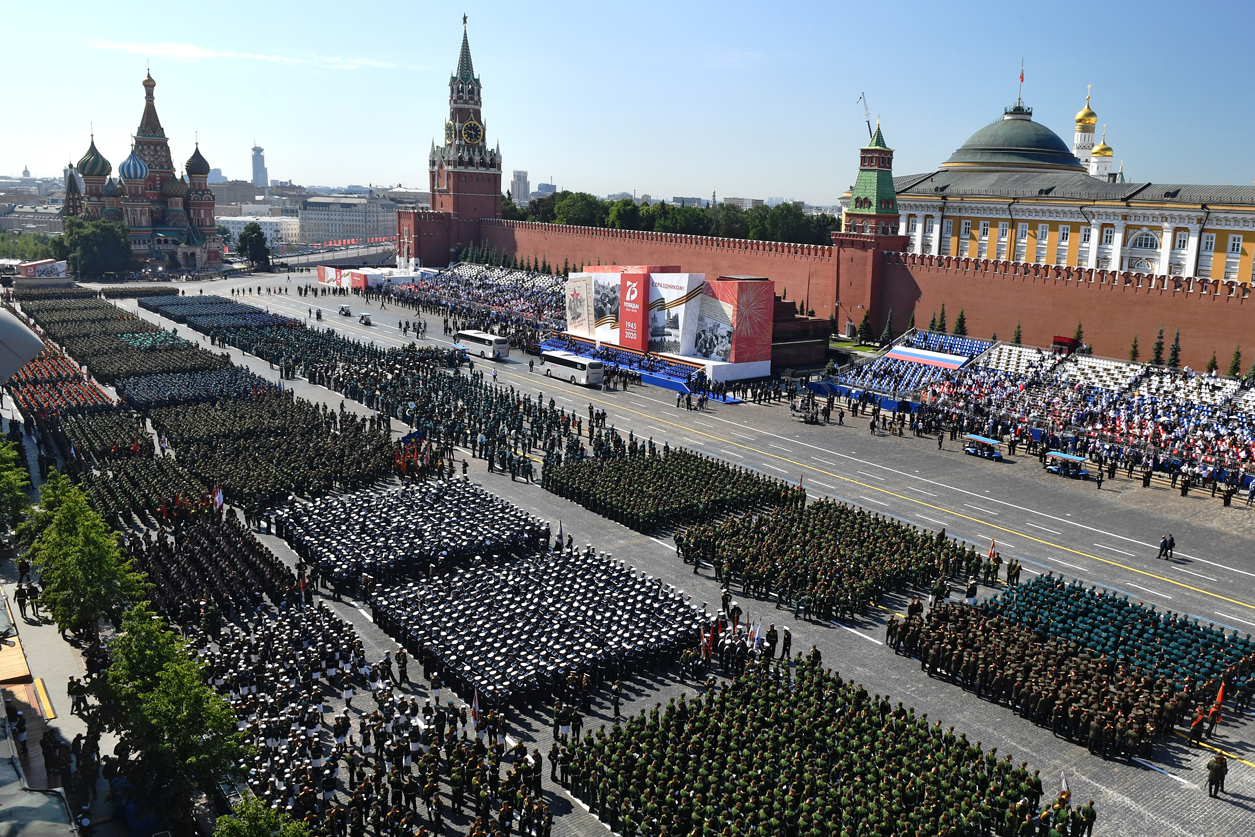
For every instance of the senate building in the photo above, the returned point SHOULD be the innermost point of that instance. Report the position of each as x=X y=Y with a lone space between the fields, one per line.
x=1014 y=191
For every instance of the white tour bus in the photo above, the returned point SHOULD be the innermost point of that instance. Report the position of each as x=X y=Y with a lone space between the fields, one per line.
x=576 y=369
x=482 y=344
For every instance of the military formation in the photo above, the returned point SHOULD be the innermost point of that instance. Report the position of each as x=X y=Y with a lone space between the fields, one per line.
x=516 y=630
x=170 y=388
x=789 y=748
x=647 y=490
x=827 y=560
x=420 y=530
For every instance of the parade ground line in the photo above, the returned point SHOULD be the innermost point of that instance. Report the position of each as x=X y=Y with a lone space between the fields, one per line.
x=1215 y=749
x=920 y=502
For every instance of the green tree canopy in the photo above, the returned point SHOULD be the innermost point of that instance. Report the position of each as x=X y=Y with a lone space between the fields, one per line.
x=51 y=495
x=85 y=576
x=1235 y=365
x=252 y=246
x=624 y=215
x=960 y=324
x=1174 y=351
x=94 y=248
x=27 y=246
x=14 y=483
x=1157 y=349
x=180 y=732
x=580 y=209
x=251 y=817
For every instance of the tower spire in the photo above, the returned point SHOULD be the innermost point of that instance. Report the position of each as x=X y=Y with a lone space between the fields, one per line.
x=466 y=70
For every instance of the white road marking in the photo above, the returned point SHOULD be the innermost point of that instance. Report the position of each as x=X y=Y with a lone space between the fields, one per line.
x=824 y=484
x=1074 y=566
x=364 y=613
x=1043 y=528
x=1148 y=590
x=562 y=398
x=774 y=468
x=692 y=441
x=777 y=447
x=1113 y=549
x=742 y=435
x=856 y=633
x=877 y=502
x=703 y=424
x=1191 y=572
x=1164 y=772
x=932 y=520
x=647 y=398
x=1027 y=570
x=826 y=462
x=731 y=453
x=873 y=476
x=979 y=509
x=1235 y=619
x=661 y=543
x=920 y=490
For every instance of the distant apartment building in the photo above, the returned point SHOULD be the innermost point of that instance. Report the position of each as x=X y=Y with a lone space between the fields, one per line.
x=744 y=203
x=343 y=217
x=279 y=230
x=677 y=201
x=40 y=219
x=520 y=189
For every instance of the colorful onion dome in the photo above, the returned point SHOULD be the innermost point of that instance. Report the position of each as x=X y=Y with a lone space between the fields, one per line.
x=197 y=164
x=176 y=187
x=110 y=189
x=93 y=163
x=133 y=168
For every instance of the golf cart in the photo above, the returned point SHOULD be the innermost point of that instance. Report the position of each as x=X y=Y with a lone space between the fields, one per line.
x=364 y=319
x=345 y=311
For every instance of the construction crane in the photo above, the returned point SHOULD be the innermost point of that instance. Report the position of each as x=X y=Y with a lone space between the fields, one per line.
x=867 y=114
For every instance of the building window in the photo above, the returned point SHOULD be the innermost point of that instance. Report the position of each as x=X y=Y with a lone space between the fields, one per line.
x=1021 y=232
x=1043 y=232
x=1064 y=234
x=1182 y=240
x=1108 y=236
x=1145 y=241
x=1209 y=242
x=947 y=228
x=1003 y=227
x=1235 y=245
x=1085 y=234
x=966 y=230
x=928 y=225
x=910 y=226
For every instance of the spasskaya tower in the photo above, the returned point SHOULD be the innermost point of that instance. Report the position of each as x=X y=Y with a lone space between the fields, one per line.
x=465 y=173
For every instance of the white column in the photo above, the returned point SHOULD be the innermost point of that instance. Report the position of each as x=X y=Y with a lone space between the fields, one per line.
x=1117 y=247
x=1165 y=250
x=1191 y=251
x=918 y=243
x=1095 y=238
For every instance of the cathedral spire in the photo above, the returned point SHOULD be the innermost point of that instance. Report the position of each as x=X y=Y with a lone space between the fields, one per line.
x=149 y=124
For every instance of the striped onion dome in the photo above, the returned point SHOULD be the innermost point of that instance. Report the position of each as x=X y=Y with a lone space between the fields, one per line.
x=93 y=163
x=133 y=168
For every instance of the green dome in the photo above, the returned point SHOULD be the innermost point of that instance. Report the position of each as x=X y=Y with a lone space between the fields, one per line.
x=1014 y=142
x=175 y=187
x=93 y=163
x=197 y=164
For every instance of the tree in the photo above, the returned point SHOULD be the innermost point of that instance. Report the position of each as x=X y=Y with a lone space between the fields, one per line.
x=180 y=732
x=865 y=329
x=1235 y=365
x=1212 y=366
x=94 y=248
x=39 y=518
x=886 y=336
x=1017 y=337
x=941 y=320
x=911 y=325
x=1157 y=350
x=25 y=246
x=225 y=234
x=580 y=209
x=960 y=324
x=14 y=483
x=511 y=211
x=1134 y=352
x=932 y=323
x=85 y=575
x=1174 y=351
x=252 y=246
x=253 y=818
x=624 y=215
x=1080 y=333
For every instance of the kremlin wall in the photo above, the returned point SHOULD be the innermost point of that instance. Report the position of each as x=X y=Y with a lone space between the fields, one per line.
x=1072 y=241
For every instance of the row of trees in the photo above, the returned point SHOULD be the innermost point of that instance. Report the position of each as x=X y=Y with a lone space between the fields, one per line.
x=94 y=248
x=27 y=246
x=785 y=222
x=179 y=733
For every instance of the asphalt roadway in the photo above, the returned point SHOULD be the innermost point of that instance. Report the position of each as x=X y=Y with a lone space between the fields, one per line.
x=1105 y=537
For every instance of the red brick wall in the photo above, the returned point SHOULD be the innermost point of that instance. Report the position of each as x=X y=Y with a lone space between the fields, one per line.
x=426 y=233
x=1049 y=300
x=802 y=271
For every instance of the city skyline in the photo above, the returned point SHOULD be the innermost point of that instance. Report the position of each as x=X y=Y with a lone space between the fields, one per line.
x=743 y=103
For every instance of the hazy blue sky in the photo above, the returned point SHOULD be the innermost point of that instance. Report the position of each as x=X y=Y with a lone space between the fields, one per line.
x=750 y=99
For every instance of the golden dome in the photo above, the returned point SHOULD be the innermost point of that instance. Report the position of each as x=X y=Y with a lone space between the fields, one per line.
x=1102 y=149
x=1085 y=116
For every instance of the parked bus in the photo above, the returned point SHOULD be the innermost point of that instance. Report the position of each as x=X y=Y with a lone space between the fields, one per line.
x=482 y=344
x=576 y=369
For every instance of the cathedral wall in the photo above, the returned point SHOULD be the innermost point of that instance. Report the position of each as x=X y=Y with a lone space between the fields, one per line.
x=1048 y=300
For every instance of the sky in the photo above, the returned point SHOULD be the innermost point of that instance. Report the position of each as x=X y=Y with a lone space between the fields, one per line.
x=743 y=99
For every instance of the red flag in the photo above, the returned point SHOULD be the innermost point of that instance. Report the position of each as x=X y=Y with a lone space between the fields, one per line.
x=991 y=549
x=1220 y=694
x=1021 y=75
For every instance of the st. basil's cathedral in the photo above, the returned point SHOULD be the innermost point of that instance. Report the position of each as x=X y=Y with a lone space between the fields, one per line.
x=167 y=216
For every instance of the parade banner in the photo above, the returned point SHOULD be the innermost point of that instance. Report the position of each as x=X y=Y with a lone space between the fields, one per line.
x=673 y=301
x=579 y=301
x=714 y=330
x=633 y=302
x=752 y=304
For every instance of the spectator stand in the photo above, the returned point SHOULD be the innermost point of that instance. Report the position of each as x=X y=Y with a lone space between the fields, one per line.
x=661 y=371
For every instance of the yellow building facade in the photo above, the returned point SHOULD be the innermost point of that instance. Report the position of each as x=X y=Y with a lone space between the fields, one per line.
x=1015 y=191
